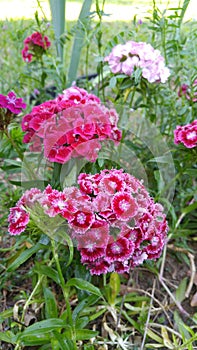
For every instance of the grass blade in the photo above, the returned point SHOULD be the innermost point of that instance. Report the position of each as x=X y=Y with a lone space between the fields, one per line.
x=78 y=41
x=58 y=18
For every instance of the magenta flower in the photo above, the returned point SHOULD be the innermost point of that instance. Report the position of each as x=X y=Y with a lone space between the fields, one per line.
x=35 y=45
x=18 y=220
x=125 y=58
x=12 y=103
x=186 y=134
x=73 y=125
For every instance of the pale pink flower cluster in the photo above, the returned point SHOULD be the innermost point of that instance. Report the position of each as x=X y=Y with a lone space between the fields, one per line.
x=113 y=220
x=34 y=46
x=186 y=134
x=125 y=58
x=72 y=125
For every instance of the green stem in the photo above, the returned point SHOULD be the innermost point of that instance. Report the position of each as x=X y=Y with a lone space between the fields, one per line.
x=28 y=302
x=62 y=281
x=132 y=97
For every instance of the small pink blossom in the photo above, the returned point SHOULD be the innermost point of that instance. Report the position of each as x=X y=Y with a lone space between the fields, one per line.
x=12 y=103
x=124 y=206
x=18 y=220
x=186 y=134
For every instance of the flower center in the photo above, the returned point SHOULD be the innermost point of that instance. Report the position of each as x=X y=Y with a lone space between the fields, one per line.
x=191 y=135
x=81 y=218
x=11 y=100
x=123 y=205
x=116 y=248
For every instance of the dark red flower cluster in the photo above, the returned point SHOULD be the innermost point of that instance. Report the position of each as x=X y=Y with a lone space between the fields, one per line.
x=35 y=45
x=115 y=223
x=72 y=125
x=186 y=134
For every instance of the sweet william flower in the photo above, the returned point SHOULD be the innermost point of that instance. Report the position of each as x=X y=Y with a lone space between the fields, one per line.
x=115 y=223
x=73 y=125
x=34 y=46
x=18 y=220
x=11 y=102
x=186 y=134
x=126 y=58
x=10 y=105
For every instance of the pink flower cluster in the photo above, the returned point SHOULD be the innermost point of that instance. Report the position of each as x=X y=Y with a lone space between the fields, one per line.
x=186 y=91
x=115 y=223
x=12 y=103
x=186 y=134
x=72 y=125
x=125 y=58
x=35 y=45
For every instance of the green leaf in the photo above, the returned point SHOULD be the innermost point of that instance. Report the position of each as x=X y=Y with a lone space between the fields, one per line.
x=154 y=336
x=33 y=340
x=83 y=285
x=114 y=285
x=51 y=310
x=41 y=184
x=24 y=256
x=6 y=314
x=180 y=291
x=85 y=334
x=189 y=208
x=40 y=328
x=64 y=343
x=47 y=271
x=15 y=163
x=8 y=337
x=82 y=322
x=112 y=82
x=91 y=299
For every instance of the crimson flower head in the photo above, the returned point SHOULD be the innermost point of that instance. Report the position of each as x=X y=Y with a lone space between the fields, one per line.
x=186 y=134
x=110 y=216
x=73 y=125
x=34 y=46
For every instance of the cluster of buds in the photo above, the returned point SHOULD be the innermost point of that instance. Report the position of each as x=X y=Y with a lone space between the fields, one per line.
x=188 y=92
